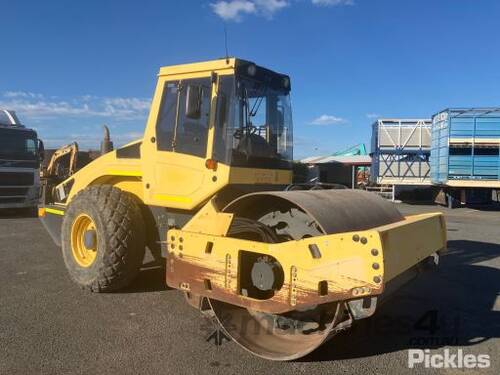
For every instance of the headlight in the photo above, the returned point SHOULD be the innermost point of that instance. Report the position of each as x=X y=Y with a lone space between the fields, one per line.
x=251 y=70
x=286 y=82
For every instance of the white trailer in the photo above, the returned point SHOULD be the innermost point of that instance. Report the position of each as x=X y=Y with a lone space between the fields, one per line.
x=400 y=152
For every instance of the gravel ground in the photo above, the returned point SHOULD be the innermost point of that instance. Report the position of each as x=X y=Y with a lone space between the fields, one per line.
x=48 y=325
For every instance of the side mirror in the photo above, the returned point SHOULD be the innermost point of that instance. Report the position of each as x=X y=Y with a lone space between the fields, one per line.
x=41 y=150
x=193 y=102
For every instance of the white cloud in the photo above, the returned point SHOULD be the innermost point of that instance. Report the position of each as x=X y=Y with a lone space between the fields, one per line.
x=233 y=10
x=269 y=7
x=82 y=117
x=327 y=120
x=36 y=106
x=126 y=107
x=21 y=94
x=372 y=116
x=332 y=2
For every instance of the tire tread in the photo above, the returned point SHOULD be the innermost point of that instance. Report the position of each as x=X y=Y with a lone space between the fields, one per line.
x=124 y=251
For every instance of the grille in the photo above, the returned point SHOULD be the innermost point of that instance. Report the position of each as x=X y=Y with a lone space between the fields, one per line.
x=18 y=163
x=11 y=200
x=16 y=179
x=9 y=191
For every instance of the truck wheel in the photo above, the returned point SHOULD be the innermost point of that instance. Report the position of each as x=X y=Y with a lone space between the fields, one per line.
x=103 y=240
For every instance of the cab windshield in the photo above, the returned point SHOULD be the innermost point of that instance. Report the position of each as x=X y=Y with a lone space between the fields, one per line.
x=17 y=144
x=253 y=124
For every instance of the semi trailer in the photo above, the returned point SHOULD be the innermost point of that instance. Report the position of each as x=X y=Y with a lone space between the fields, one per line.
x=465 y=155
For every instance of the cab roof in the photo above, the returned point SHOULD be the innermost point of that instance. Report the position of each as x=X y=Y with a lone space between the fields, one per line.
x=229 y=65
x=210 y=65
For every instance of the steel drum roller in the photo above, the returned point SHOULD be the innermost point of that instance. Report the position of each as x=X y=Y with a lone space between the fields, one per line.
x=296 y=215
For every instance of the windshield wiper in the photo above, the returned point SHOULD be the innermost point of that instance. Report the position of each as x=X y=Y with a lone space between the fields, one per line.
x=258 y=102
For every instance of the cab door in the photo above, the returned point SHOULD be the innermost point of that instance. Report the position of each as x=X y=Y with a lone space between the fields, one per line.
x=174 y=169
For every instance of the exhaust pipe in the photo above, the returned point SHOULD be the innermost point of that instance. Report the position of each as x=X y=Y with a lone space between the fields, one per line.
x=106 y=144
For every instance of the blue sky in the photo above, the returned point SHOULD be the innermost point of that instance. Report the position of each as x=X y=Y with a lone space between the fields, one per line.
x=69 y=67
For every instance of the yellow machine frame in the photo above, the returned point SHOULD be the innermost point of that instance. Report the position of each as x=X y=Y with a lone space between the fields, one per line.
x=342 y=266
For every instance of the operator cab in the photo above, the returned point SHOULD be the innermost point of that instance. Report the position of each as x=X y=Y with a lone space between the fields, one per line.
x=252 y=122
x=214 y=126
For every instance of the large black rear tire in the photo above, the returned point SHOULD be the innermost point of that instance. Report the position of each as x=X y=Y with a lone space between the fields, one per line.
x=110 y=257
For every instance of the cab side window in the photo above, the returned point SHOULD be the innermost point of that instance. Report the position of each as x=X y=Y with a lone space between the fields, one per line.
x=192 y=133
x=176 y=131
x=165 y=125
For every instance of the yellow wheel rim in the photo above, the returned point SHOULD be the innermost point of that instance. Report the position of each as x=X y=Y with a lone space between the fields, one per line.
x=84 y=254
